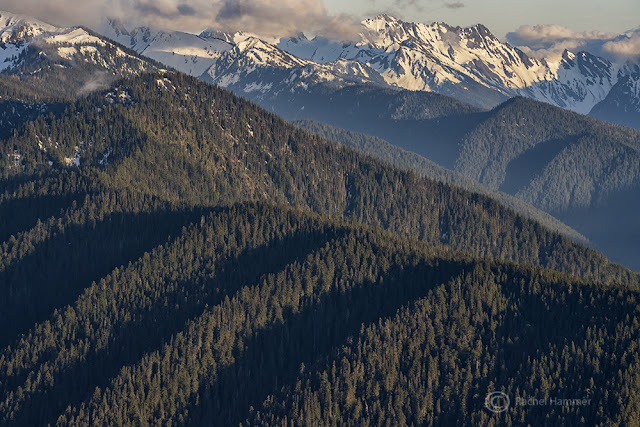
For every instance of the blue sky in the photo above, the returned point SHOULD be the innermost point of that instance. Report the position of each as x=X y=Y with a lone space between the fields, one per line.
x=502 y=16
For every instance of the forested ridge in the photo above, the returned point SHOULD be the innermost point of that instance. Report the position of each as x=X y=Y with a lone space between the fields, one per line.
x=175 y=255
x=578 y=169
x=179 y=139
x=406 y=160
x=259 y=314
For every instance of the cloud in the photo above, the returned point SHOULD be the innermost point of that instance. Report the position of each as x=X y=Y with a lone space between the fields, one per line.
x=627 y=46
x=456 y=5
x=544 y=41
x=263 y=17
x=274 y=17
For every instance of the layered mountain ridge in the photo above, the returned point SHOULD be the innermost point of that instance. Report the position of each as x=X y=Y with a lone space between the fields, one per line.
x=173 y=254
x=349 y=85
x=470 y=64
x=41 y=60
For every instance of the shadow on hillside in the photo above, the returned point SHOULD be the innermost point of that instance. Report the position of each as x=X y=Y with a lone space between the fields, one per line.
x=62 y=266
x=315 y=334
x=22 y=214
x=308 y=336
x=531 y=163
x=153 y=326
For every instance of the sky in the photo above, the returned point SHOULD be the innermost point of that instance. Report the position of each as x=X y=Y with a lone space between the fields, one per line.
x=503 y=16
x=540 y=28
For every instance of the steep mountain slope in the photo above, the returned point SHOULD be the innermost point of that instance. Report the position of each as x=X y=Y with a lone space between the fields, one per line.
x=406 y=160
x=179 y=139
x=622 y=104
x=189 y=53
x=38 y=58
x=320 y=313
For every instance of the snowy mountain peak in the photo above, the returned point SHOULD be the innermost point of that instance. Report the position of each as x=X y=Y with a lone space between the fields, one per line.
x=186 y=52
x=257 y=52
x=235 y=38
x=568 y=56
x=19 y=34
x=468 y=63
x=483 y=31
x=43 y=52
x=380 y=22
x=253 y=43
x=19 y=27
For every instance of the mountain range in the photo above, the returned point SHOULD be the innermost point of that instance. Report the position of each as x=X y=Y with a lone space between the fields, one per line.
x=564 y=170
x=174 y=254
x=470 y=64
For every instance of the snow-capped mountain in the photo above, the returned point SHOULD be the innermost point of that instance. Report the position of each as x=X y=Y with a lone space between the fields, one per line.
x=622 y=104
x=185 y=52
x=31 y=48
x=468 y=63
x=15 y=32
x=577 y=82
x=257 y=66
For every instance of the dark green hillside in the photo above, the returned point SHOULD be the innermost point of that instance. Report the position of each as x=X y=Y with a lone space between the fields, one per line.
x=259 y=314
x=561 y=162
x=423 y=122
x=180 y=140
x=492 y=328
x=592 y=158
x=583 y=171
x=13 y=114
x=174 y=255
x=407 y=160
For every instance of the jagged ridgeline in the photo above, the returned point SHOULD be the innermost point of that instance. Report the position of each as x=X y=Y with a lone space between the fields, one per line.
x=257 y=314
x=67 y=65
x=177 y=139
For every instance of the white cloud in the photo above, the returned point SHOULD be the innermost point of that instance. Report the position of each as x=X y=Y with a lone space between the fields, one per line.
x=551 y=40
x=627 y=46
x=265 y=17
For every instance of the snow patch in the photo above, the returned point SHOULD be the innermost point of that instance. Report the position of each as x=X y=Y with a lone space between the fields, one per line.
x=75 y=160
x=67 y=52
x=262 y=87
x=165 y=84
x=76 y=36
x=9 y=54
